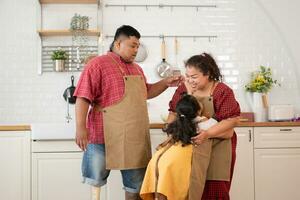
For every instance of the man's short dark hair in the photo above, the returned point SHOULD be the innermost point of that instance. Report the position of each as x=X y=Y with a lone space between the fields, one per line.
x=128 y=31
x=125 y=30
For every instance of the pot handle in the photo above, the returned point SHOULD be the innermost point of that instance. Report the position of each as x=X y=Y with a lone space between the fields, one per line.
x=72 y=80
x=163 y=49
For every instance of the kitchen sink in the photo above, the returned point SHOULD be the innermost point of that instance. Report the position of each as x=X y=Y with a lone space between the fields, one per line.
x=52 y=131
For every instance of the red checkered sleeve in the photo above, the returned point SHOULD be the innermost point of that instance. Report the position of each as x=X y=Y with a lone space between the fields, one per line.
x=88 y=86
x=225 y=103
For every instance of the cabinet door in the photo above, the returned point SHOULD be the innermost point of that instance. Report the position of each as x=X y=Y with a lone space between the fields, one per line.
x=157 y=137
x=58 y=176
x=15 y=165
x=243 y=183
x=277 y=174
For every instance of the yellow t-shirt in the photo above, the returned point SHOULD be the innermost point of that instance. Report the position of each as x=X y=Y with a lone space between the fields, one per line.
x=174 y=173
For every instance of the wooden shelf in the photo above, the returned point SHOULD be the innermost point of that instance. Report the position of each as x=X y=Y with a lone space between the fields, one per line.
x=68 y=1
x=48 y=33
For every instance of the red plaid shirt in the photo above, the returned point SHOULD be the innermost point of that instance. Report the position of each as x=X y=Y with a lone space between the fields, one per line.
x=101 y=82
x=225 y=107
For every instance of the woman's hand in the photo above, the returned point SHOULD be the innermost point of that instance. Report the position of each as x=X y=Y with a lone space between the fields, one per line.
x=188 y=87
x=200 y=138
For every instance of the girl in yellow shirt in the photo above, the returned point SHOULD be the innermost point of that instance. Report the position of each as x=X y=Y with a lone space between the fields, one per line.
x=168 y=172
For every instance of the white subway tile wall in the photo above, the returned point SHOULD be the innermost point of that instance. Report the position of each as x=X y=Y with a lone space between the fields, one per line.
x=248 y=35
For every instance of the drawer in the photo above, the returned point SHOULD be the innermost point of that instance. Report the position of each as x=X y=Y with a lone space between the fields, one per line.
x=276 y=137
x=54 y=146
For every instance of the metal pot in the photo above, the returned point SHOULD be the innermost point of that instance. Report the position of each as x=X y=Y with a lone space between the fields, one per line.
x=69 y=92
x=142 y=53
x=163 y=68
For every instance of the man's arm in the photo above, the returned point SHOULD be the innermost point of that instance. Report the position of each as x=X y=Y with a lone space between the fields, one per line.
x=160 y=86
x=81 y=110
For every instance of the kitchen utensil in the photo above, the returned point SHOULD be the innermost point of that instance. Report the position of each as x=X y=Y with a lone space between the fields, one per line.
x=68 y=93
x=163 y=68
x=176 y=51
x=142 y=53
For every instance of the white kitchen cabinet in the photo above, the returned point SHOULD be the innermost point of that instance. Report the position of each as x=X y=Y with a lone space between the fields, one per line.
x=15 y=165
x=277 y=163
x=157 y=137
x=242 y=187
x=56 y=171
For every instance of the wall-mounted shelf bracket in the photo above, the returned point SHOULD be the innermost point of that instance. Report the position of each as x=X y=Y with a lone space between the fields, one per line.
x=171 y=6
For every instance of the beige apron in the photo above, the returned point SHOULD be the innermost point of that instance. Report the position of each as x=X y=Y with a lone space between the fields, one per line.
x=126 y=127
x=211 y=160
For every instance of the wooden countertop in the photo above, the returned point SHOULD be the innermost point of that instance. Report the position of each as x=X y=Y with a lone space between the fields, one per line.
x=244 y=124
x=160 y=125
x=15 y=128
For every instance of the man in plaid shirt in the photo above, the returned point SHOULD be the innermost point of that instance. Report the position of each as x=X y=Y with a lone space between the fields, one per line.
x=112 y=126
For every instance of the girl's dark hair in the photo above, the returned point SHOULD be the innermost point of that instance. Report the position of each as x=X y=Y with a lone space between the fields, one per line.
x=206 y=64
x=125 y=30
x=183 y=128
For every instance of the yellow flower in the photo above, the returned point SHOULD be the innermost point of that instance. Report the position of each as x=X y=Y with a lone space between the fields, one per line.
x=261 y=81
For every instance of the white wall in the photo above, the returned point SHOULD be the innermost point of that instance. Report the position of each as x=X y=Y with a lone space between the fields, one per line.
x=250 y=33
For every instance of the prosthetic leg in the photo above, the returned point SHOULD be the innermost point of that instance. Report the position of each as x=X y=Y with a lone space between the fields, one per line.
x=95 y=193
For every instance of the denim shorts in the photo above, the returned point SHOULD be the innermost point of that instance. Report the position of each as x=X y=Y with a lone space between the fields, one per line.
x=95 y=173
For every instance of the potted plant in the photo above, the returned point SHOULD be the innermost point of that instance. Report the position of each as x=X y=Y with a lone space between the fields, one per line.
x=260 y=84
x=79 y=26
x=59 y=56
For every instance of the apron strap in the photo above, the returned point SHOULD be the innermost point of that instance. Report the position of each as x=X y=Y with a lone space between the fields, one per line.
x=118 y=65
x=97 y=108
x=212 y=89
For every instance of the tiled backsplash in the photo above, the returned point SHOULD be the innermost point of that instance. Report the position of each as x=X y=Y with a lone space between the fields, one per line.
x=248 y=35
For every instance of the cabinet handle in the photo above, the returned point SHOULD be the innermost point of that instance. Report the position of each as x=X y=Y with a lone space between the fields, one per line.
x=286 y=129
x=250 y=135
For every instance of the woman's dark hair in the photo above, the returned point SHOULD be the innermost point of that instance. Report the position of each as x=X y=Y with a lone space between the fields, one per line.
x=206 y=64
x=125 y=30
x=183 y=128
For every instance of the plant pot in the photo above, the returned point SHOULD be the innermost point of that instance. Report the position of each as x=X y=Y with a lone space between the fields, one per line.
x=59 y=65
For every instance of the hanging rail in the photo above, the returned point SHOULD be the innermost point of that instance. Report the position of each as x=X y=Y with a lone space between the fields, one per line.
x=161 y=6
x=175 y=36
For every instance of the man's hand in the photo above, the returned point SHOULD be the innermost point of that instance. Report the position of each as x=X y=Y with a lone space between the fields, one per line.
x=174 y=81
x=82 y=139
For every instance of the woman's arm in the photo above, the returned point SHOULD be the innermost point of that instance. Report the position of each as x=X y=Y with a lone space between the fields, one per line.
x=171 y=117
x=223 y=129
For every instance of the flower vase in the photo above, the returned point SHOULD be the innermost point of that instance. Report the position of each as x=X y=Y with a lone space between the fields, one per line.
x=260 y=106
